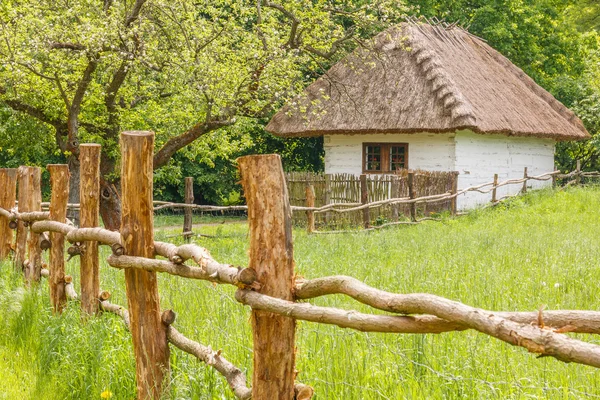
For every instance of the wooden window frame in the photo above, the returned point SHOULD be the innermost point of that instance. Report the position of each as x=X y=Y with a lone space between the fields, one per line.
x=385 y=156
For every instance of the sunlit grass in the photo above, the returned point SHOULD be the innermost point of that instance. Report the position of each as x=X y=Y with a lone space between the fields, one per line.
x=538 y=249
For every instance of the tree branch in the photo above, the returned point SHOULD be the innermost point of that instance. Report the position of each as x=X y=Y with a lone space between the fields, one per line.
x=176 y=143
x=67 y=46
x=135 y=12
x=33 y=111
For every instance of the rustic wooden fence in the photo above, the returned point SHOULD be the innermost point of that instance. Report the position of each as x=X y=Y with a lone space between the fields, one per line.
x=412 y=207
x=349 y=190
x=268 y=285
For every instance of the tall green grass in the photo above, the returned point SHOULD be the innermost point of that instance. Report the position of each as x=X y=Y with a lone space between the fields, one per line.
x=538 y=249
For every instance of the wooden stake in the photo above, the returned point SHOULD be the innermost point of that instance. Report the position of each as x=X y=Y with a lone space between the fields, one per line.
x=310 y=202
x=187 y=217
x=364 y=199
x=578 y=175
x=411 y=194
x=137 y=237
x=494 y=194
x=24 y=188
x=271 y=255
x=554 y=180
x=89 y=199
x=8 y=197
x=395 y=193
x=525 y=182
x=59 y=180
x=327 y=200
x=454 y=201
x=30 y=199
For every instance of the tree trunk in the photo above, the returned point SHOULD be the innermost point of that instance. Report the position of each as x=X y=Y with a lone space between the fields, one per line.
x=73 y=163
x=110 y=205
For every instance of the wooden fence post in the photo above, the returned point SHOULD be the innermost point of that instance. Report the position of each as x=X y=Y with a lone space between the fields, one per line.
x=89 y=214
x=394 y=193
x=310 y=202
x=454 y=201
x=525 y=182
x=23 y=195
x=271 y=255
x=137 y=237
x=494 y=194
x=187 y=216
x=59 y=180
x=578 y=174
x=29 y=194
x=364 y=199
x=412 y=195
x=554 y=180
x=327 y=200
x=8 y=197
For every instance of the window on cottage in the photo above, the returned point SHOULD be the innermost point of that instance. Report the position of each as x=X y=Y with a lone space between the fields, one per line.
x=384 y=157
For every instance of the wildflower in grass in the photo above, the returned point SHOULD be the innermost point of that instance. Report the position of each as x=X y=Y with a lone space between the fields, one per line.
x=107 y=394
x=557 y=285
x=543 y=283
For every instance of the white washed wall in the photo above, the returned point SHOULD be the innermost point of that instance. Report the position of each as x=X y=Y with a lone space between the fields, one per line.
x=479 y=157
x=476 y=157
x=428 y=151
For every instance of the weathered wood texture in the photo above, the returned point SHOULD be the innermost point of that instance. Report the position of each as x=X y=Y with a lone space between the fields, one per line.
x=344 y=189
x=59 y=181
x=137 y=237
x=412 y=194
x=310 y=202
x=271 y=255
x=8 y=196
x=89 y=198
x=187 y=216
x=364 y=199
x=494 y=190
x=29 y=194
x=525 y=182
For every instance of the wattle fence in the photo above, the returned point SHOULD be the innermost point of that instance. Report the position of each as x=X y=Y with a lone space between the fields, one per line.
x=268 y=284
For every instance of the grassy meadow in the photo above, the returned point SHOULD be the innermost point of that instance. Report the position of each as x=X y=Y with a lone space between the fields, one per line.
x=538 y=249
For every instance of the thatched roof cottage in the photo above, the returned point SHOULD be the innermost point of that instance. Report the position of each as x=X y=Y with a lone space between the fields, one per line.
x=434 y=98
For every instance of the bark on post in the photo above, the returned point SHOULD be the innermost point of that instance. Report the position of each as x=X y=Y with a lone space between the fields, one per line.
x=89 y=214
x=394 y=190
x=525 y=181
x=137 y=237
x=494 y=194
x=23 y=195
x=8 y=196
x=554 y=180
x=271 y=255
x=411 y=194
x=59 y=181
x=364 y=199
x=310 y=202
x=187 y=216
x=578 y=173
x=33 y=268
x=454 y=201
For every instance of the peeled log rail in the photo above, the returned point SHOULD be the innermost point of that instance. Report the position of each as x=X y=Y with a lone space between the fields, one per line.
x=580 y=321
x=234 y=376
x=534 y=339
x=224 y=274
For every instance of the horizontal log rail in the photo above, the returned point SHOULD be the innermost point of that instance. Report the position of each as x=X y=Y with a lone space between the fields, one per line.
x=233 y=375
x=544 y=342
x=353 y=207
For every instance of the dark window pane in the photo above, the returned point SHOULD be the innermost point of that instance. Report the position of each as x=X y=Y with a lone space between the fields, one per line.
x=373 y=158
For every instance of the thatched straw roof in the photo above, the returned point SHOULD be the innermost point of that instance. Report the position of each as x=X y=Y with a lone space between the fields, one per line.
x=420 y=77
